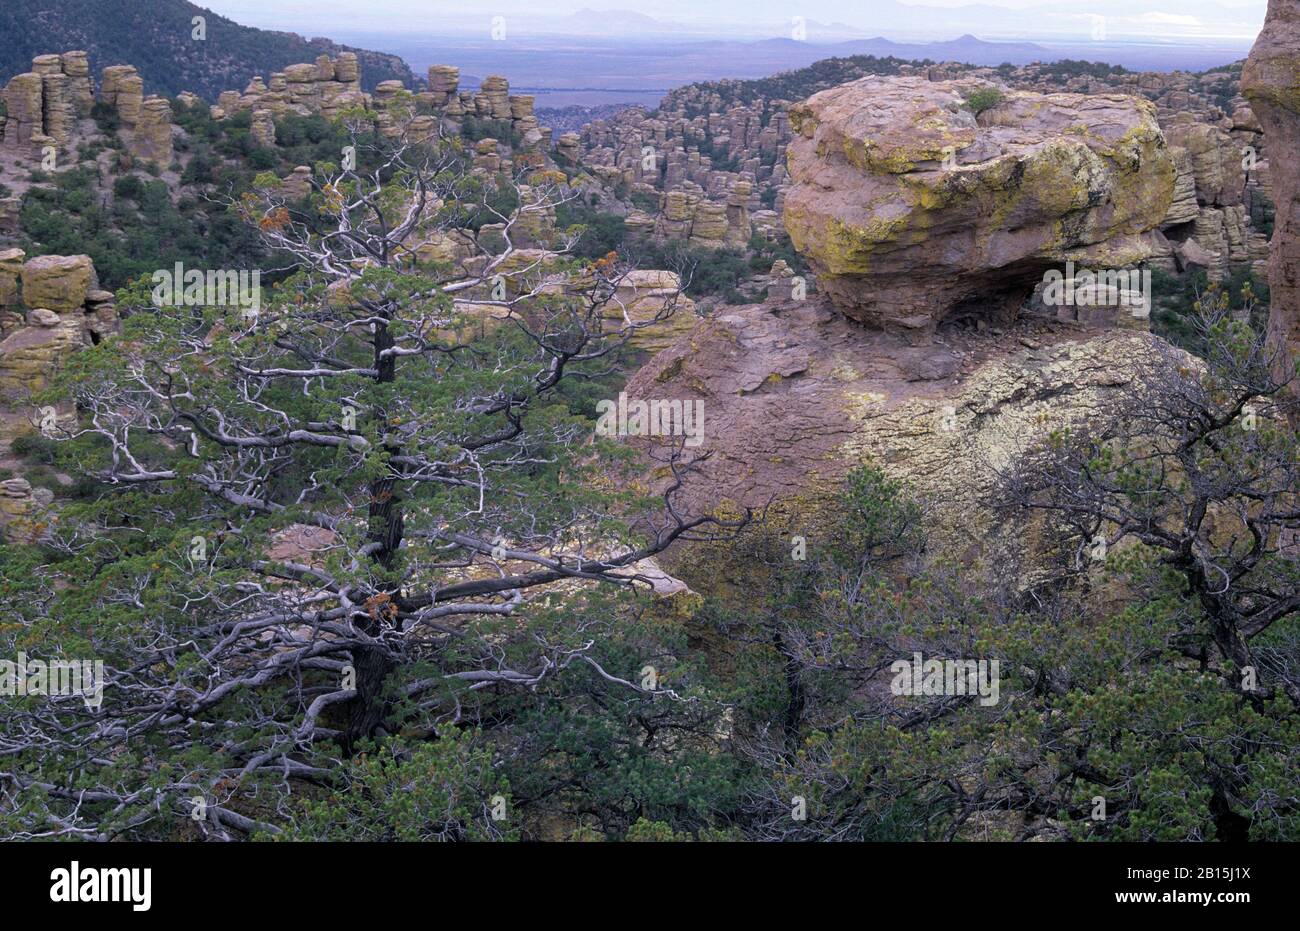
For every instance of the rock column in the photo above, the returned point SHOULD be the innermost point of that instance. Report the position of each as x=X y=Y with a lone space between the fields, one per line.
x=1268 y=80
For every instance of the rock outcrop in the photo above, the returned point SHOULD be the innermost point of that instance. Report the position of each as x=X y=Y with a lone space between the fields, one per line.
x=795 y=395
x=23 y=510
x=45 y=103
x=327 y=86
x=50 y=307
x=654 y=302
x=1271 y=81
x=911 y=208
x=451 y=106
x=1208 y=224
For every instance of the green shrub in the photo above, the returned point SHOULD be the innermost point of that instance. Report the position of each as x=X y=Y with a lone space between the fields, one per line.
x=985 y=98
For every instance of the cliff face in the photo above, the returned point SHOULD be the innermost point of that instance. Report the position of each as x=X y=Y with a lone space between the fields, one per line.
x=912 y=206
x=1271 y=81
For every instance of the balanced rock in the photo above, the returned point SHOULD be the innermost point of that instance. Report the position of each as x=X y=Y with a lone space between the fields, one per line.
x=911 y=208
x=347 y=69
x=444 y=79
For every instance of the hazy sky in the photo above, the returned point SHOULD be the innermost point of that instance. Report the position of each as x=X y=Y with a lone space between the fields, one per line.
x=1155 y=18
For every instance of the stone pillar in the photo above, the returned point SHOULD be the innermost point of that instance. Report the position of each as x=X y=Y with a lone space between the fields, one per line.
x=122 y=88
x=81 y=89
x=495 y=94
x=263 y=128
x=738 y=224
x=153 y=132
x=58 y=109
x=24 y=98
x=444 y=80
x=347 y=70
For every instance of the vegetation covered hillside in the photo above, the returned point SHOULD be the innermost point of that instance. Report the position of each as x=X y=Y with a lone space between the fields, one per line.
x=157 y=37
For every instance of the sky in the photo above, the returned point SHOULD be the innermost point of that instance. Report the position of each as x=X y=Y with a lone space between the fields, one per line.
x=1156 y=19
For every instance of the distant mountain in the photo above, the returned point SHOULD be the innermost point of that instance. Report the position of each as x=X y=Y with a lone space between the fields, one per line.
x=157 y=37
x=967 y=49
x=588 y=20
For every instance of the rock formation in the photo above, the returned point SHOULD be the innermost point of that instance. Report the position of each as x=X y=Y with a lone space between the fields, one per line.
x=795 y=395
x=122 y=89
x=262 y=128
x=1270 y=80
x=10 y=210
x=655 y=301
x=911 y=208
x=451 y=105
x=45 y=103
x=327 y=86
x=1208 y=223
x=709 y=136
x=50 y=307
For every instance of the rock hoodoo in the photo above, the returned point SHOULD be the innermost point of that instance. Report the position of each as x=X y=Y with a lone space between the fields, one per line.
x=46 y=104
x=912 y=208
x=1271 y=80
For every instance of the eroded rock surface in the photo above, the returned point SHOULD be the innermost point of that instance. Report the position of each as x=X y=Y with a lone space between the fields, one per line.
x=911 y=208
x=795 y=396
x=1271 y=81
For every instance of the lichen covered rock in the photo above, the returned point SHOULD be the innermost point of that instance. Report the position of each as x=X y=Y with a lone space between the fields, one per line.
x=651 y=306
x=911 y=207
x=58 y=282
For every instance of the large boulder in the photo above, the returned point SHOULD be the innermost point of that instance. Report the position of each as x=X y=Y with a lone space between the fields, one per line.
x=1269 y=81
x=911 y=207
x=58 y=282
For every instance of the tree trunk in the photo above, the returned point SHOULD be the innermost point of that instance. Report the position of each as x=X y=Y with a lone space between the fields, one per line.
x=374 y=665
